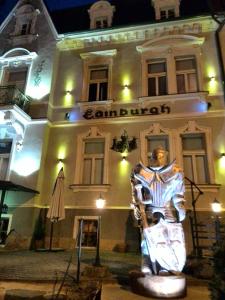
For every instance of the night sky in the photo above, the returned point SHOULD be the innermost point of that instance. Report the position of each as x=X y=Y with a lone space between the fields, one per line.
x=7 y=5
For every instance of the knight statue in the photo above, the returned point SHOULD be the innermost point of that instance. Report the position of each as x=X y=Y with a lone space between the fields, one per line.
x=158 y=203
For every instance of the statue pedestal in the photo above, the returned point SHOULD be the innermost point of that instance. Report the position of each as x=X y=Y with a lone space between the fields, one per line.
x=162 y=287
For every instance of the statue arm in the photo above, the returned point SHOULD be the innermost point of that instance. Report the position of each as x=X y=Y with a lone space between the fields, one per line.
x=178 y=198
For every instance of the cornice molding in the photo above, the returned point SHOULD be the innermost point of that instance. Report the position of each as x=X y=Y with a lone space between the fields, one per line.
x=191 y=26
x=104 y=53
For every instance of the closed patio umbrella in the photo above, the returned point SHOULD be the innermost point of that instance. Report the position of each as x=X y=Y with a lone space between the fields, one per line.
x=56 y=211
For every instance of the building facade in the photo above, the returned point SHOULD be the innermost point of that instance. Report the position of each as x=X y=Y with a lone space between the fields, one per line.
x=27 y=44
x=122 y=84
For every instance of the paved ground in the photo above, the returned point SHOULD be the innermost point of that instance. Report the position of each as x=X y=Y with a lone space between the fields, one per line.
x=37 y=271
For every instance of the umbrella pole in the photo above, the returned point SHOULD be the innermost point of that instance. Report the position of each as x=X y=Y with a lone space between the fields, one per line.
x=51 y=235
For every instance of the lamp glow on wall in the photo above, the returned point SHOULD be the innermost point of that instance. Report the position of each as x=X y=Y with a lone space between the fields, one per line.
x=216 y=206
x=212 y=82
x=61 y=157
x=69 y=87
x=126 y=91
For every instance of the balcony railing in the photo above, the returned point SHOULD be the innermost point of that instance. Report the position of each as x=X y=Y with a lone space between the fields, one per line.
x=11 y=95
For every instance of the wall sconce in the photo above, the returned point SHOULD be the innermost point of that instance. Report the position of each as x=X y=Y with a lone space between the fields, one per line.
x=124 y=158
x=126 y=86
x=68 y=92
x=60 y=160
x=212 y=78
x=222 y=155
x=124 y=144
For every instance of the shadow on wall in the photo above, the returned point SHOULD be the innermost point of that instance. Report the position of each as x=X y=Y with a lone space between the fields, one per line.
x=132 y=235
x=38 y=237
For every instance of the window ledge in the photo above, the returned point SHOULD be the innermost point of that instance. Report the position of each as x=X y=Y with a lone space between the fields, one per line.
x=94 y=104
x=174 y=97
x=205 y=187
x=27 y=38
x=89 y=187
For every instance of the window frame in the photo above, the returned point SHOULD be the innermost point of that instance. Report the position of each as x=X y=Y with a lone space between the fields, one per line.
x=193 y=128
x=155 y=130
x=98 y=82
x=167 y=48
x=92 y=60
x=193 y=154
x=186 y=73
x=76 y=228
x=93 y=133
x=93 y=157
x=157 y=76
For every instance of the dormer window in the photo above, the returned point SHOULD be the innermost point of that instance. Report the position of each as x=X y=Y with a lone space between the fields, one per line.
x=166 y=9
x=25 y=25
x=101 y=14
x=101 y=23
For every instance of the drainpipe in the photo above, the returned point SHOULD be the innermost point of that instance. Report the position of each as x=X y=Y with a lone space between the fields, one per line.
x=220 y=57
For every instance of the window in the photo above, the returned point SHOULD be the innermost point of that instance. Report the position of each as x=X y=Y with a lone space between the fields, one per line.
x=93 y=164
x=98 y=84
x=157 y=81
x=186 y=75
x=5 y=150
x=5 y=225
x=92 y=161
x=26 y=28
x=167 y=13
x=154 y=137
x=155 y=141
x=17 y=77
x=89 y=230
x=195 y=157
x=101 y=22
x=89 y=236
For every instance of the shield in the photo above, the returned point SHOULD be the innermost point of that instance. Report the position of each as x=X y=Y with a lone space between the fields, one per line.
x=56 y=211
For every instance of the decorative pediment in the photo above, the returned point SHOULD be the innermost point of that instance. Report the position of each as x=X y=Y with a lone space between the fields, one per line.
x=193 y=127
x=17 y=56
x=170 y=42
x=155 y=129
x=93 y=132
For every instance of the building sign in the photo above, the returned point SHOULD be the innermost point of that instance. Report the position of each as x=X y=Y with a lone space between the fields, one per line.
x=125 y=112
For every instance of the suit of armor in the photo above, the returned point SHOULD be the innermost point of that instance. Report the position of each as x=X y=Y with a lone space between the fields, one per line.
x=158 y=201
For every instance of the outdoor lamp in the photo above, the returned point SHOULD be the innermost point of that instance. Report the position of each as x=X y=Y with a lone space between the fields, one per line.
x=216 y=206
x=100 y=202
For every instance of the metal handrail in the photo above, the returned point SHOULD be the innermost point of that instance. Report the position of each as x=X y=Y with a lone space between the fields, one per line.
x=11 y=95
x=194 y=200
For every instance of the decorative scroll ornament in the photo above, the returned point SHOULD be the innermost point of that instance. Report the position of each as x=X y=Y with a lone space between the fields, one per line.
x=124 y=144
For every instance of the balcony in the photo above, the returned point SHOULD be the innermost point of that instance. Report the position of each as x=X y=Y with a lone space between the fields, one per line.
x=11 y=95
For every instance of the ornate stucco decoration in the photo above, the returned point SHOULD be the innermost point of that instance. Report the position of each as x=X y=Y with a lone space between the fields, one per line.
x=136 y=34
